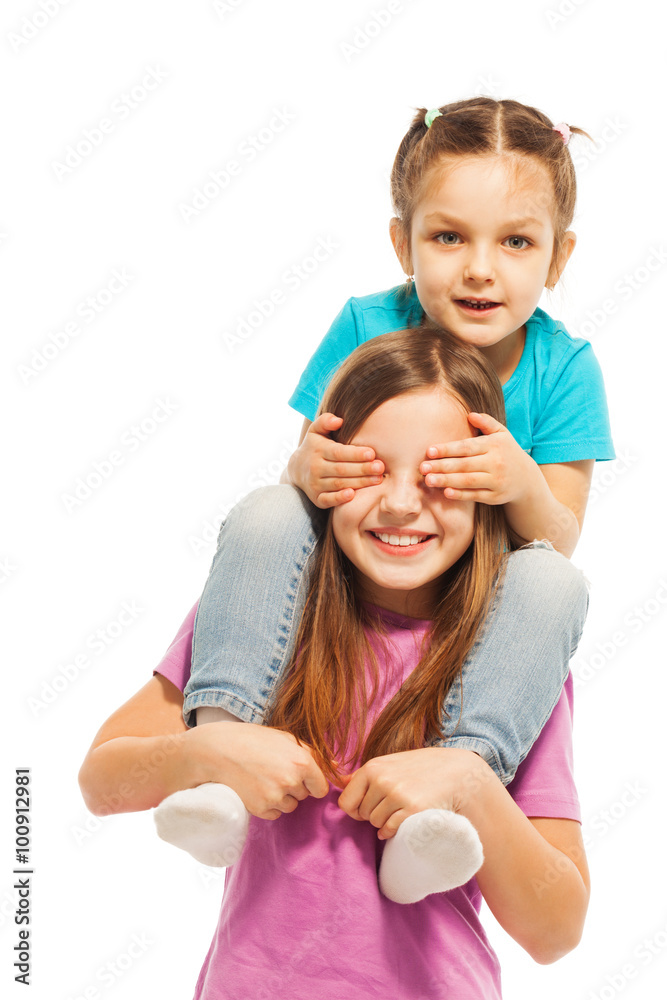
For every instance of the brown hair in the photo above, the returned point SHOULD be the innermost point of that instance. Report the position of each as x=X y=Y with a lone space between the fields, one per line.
x=326 y=683
x=483 y=126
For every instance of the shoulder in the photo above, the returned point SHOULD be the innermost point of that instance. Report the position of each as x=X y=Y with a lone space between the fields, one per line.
x=176 y=663
x=556 y=352
x=381 y=312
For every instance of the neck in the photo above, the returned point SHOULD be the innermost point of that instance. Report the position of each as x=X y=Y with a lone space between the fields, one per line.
x=419 y=603
x=506 y=354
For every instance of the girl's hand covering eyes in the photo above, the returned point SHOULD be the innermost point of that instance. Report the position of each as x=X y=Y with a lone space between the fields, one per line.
x=328 y=472
x=490 y=468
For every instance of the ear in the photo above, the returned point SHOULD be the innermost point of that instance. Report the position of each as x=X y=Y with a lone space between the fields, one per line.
x=399 y=241
x=560 y=259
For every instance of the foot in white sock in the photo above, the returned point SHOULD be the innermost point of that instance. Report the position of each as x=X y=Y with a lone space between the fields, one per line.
x=432 y=851
x=210 y=822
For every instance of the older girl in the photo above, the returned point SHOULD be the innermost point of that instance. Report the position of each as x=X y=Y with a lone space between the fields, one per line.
x=386 y=629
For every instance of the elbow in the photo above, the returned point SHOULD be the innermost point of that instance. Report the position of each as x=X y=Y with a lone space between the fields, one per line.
x=553 y=949
x=87 y=784
x=98 y=801
x=557 y=941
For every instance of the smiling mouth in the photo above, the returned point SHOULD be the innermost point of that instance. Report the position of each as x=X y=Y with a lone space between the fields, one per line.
x=400 y=541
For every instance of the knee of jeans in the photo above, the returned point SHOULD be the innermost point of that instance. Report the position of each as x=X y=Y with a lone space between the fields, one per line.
x=549 y=580
x=271 y=508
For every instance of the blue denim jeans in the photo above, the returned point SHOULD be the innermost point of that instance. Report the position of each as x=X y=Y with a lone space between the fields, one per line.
x=248 y=617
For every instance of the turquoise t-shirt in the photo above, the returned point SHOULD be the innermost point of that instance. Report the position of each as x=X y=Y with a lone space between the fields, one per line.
x=555 y=400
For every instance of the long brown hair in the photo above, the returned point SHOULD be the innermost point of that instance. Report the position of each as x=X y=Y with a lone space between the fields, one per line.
x=325 y=688
x=483 y=126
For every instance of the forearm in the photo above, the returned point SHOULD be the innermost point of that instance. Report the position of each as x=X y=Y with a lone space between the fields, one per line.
x=538 y=514
x=132 y=773
x=534 y=890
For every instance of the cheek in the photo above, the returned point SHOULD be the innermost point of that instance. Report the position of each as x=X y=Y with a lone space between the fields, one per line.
x=345 y=522
x=459 y=521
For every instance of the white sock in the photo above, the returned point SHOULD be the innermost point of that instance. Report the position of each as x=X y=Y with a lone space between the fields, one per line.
x=432 y=851
x=209 y=821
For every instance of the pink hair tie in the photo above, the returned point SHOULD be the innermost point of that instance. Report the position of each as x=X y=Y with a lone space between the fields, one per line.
x=564 y=131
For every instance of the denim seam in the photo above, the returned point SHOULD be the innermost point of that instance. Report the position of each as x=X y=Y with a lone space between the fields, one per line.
x=455 y=695
x=296 y=585
x=214 y=698
x=485 y=749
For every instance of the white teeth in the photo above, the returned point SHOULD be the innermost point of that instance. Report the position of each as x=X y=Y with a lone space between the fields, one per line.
x=477 y=305
x=398 y=539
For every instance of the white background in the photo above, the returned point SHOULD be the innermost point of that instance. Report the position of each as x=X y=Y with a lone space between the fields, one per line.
x=144 y=536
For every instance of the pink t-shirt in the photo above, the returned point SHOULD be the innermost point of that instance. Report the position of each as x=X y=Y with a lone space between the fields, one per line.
x=302 y=914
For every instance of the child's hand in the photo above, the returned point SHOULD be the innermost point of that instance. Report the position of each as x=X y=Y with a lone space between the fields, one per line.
x=386 y=790
x=266 y=767
x=328 y=472
x=490 y=468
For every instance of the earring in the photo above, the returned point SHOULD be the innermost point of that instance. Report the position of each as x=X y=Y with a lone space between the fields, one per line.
x=409 y=278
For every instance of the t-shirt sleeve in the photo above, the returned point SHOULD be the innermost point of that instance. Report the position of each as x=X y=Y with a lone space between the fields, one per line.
x=339 y=341
x=574 y=422
x=176 y=663
x=544 y=782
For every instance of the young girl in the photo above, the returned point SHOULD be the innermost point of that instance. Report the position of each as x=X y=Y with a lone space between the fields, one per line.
x=385 y=632
x=484 y=194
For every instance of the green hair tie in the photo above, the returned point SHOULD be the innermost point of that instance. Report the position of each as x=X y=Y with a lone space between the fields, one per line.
x=431 y=115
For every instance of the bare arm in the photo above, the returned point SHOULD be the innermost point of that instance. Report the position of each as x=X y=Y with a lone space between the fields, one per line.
x=553 y=505
x=534 y=877
x=144 y=752
x=139 y=755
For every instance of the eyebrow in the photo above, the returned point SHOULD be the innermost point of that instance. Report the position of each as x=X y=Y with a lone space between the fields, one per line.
x=509 y=224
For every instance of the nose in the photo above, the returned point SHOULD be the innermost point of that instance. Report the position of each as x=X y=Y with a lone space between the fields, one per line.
x=479 y=264
x=402 y=495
